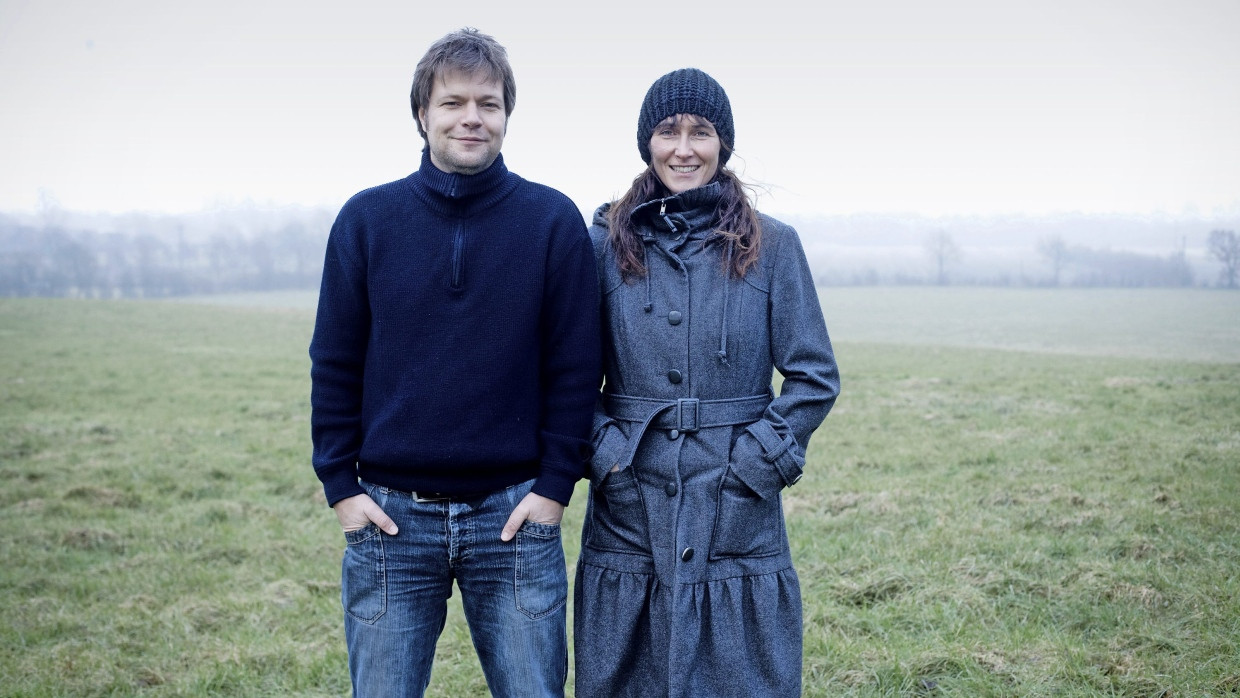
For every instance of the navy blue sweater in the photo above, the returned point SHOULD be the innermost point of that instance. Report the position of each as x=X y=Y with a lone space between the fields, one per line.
x=456 y=347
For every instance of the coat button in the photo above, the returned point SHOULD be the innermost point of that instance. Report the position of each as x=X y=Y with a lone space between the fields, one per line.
x=673 y=434
x=687 y=555
x=674 y=317
x=674 y=376
x=671 y=489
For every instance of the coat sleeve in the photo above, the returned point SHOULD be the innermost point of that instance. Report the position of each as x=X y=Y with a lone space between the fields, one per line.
x=801 y=352
x=609 y=440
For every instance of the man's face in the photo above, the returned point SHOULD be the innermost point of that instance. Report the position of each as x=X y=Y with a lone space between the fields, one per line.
x=464 y=122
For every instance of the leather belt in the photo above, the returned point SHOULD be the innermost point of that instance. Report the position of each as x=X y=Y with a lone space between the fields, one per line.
x=443 y=496
x=430 y=496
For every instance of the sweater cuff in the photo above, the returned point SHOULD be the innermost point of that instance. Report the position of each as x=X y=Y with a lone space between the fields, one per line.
x=555 y=484
x=340 y=483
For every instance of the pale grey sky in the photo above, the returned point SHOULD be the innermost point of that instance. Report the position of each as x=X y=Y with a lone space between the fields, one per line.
x=950 y=107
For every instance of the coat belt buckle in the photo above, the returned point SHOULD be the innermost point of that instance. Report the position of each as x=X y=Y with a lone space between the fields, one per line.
x=687 y=415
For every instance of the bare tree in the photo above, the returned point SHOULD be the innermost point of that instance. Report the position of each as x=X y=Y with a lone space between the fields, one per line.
x=295 y=243
x=1055 y=251
x=262 y=260
x=223 y=258
x=50 y=211
x=151 y=256
x=1225 y=246
x=943 y=250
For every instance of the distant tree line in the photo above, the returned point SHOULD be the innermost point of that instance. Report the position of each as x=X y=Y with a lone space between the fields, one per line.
x=60 y=262
x=1052 y=262
x=244 y=250
x=1094 y=267
x=1079 y=265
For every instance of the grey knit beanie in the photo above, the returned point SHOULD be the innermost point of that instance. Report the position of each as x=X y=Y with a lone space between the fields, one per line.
x=686 y=91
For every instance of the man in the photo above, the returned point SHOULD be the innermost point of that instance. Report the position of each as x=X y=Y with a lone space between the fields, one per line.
x=455 y=366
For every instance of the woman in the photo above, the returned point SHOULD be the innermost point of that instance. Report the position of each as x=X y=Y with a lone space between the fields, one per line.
x=685 y=584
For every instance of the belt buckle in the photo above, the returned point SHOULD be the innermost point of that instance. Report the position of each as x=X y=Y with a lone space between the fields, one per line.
x=687 y=406
x=429 y=497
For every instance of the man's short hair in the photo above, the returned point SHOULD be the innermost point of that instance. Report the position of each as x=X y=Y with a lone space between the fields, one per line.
x=469 y=51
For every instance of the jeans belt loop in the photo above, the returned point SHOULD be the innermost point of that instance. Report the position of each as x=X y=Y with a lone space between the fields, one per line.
x=687 y=415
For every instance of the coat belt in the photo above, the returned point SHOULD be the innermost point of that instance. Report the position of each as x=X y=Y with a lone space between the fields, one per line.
x=685 y=415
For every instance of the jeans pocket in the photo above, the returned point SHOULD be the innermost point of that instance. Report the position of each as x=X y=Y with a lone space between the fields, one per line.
x=617 y=515
x=363 y=587
x=541 y=576
x=746 y=524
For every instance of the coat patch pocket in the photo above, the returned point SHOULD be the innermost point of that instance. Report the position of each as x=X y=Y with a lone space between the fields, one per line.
x=617 y=516
x=746 y=525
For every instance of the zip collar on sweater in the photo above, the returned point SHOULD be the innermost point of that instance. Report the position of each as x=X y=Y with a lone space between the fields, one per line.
x=451 y=193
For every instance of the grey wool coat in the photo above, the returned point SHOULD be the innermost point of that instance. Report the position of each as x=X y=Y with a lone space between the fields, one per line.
x=685 y=584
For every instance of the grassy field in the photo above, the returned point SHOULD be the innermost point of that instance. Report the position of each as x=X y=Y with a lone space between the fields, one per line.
x=1019 y=493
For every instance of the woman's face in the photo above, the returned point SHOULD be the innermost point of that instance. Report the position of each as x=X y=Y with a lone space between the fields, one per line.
x=684 y=152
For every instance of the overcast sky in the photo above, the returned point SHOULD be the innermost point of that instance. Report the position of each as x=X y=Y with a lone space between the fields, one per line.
x=946 y=107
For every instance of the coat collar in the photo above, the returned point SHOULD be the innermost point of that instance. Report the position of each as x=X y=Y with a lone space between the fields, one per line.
x=681 y=213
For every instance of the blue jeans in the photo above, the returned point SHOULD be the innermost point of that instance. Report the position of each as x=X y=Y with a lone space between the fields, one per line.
x=395 y=591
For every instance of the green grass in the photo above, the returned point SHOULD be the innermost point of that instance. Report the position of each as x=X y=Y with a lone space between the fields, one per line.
x=1171 y=324
x=973 y=521
x=1017 y=524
